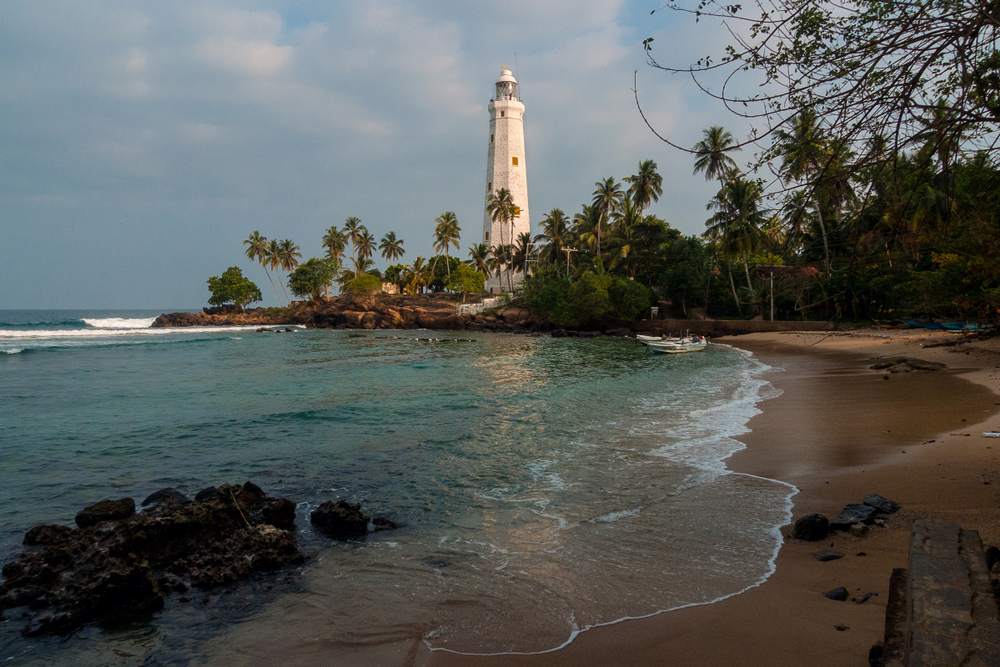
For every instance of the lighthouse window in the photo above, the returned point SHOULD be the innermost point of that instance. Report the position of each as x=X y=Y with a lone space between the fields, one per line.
x=489 y=186
x=501 y=114
x=514 y=161
x=487 y=236
x=491 y=138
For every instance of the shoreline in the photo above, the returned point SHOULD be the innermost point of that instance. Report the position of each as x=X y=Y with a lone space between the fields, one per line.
x=786 y=620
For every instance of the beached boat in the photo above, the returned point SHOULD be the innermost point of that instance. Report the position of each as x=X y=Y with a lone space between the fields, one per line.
x=646 y=340
x=689 y=344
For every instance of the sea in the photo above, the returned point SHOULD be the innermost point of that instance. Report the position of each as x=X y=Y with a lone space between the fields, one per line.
x=543 y=486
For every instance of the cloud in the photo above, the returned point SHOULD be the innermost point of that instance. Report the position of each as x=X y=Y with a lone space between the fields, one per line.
x=171 y=131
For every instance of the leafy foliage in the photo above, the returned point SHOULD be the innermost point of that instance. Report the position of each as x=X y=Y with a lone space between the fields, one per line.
x=232 y=287
x=312 y=278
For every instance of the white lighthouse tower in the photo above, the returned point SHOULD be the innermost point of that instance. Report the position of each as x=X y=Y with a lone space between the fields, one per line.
x=505 y=168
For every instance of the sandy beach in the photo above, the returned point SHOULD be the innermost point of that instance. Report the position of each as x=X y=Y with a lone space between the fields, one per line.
x=839 y=431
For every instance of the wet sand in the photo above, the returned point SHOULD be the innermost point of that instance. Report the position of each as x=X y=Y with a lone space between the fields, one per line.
x=839 y=431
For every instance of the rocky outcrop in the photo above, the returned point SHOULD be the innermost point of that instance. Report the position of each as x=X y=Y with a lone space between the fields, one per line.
x=123 y=565
x=343 y=521
x=106 y=510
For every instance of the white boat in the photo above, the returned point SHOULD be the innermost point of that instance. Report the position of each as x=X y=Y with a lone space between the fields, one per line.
x=646 y=340
x=690 y=344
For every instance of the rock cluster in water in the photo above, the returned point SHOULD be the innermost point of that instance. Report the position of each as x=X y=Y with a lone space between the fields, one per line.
x=117 y=564
x=343 y=521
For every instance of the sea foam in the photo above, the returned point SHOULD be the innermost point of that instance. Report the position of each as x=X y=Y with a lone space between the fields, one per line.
x=120 y=322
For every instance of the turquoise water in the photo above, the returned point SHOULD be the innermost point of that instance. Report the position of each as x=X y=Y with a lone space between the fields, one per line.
x=555 y=484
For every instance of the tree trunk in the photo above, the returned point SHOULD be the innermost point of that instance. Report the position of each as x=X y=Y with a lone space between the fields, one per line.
x=732 y=284
x=272 y=285
x=826 y=243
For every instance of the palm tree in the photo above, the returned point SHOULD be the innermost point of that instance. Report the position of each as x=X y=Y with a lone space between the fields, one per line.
x=555 y=230
x=335 y=241
x=366 y=248
x=646 y=186
x=806 y=155
x=585 y=227
x=353 y=229
x=738 y=219
x=479 y=258
x=416 y=275
x=272 y=257
x=710 y=154
x=625 y=220
x=391 y=247
x=257 y=250
x=607 y=197
x=446 y=233
x=289 y=256
x=501 y=208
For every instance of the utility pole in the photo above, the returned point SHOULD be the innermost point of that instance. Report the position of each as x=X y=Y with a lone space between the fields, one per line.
x=772 y=296
x=568 y=251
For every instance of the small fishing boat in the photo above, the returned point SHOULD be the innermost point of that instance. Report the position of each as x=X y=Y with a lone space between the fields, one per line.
x=924 y=324
x=690 y=344
x=646 y=340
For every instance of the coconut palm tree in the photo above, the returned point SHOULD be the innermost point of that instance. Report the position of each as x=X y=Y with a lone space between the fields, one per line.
x=479 y=258
x=446 y=233
x=353 y=229
x=366 y=248
x=289 y=257
x=625 y=219
x=416 y=275
x=500 y=206
x=555 y=231
x=738 y=219
x=272 y=258
x=257 y=250
x=710 y=154
x=806 y=155
x=335 y=241
x=391 y=247
x=646 y=186
x=607 y=197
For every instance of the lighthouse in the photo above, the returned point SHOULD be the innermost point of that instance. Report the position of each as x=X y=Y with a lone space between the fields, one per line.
x=506 y=168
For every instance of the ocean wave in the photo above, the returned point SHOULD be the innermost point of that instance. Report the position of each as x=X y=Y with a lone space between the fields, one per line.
x=101 y=333
x=12 y=350
x=120 y=322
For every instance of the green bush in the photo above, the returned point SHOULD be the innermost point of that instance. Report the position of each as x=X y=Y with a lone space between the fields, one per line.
x=232 y=287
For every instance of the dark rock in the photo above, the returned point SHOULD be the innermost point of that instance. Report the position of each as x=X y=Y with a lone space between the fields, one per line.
x=48 y=533
x=340 y=520
x=558 y=333
x=106 y=510
x=380 y=523
x=853 y=513
x=169 y=496
x=623 y=331
x=110 y=571
x=875 y=654
x=289 y=330
x=866 y=597
x=206 y=494
x=823 y=556
x=992 y=557
x=883 y=505
x=839 y=594
x=905 y=365
x=811 y=527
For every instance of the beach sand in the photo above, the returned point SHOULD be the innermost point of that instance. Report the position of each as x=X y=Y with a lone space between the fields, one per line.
x=839 y=431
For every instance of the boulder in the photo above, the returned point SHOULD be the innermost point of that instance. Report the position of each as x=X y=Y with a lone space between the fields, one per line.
x=106 y=510
x=853 y=513
x=169 y=496
x=839 y=594
x=206 y=493
x=883 y=505
x=811 y=527
x=558 y=333
x=49 y=533
x=340 y=520
x=353 y=318
x=622 y=331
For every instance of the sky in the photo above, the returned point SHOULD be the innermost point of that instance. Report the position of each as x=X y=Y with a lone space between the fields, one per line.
x=141 y=143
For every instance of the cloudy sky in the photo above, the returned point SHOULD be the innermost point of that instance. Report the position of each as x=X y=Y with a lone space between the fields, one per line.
x=141 y=143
